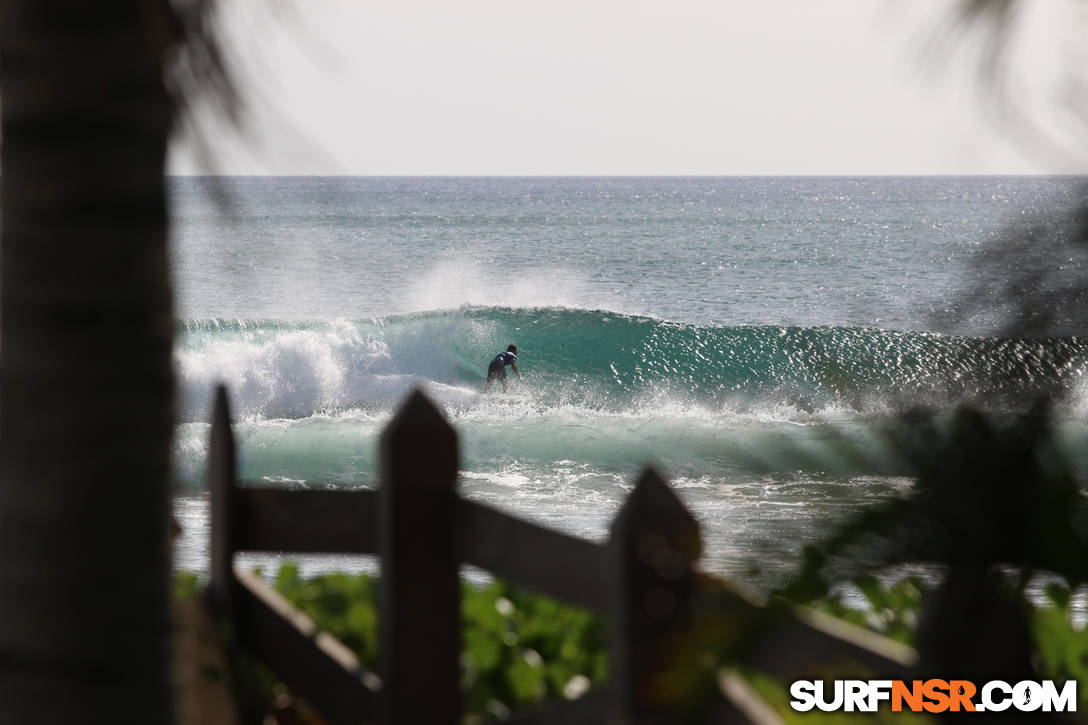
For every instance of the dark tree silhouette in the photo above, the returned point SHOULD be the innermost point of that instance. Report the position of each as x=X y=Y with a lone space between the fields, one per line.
x=86 y=327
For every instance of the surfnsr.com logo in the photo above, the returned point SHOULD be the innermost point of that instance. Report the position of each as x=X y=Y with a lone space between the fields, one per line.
x=933 y=696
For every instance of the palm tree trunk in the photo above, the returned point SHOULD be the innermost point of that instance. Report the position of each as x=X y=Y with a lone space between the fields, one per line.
x=86 y=387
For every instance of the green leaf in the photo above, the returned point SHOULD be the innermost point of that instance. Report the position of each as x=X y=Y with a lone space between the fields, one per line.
x=1058 y=594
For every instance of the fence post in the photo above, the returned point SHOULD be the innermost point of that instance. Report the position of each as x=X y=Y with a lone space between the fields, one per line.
x=654 y=542
x=420 y=602
x=224 y=507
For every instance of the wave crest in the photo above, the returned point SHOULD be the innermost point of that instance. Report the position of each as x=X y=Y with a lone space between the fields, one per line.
x=602 y=361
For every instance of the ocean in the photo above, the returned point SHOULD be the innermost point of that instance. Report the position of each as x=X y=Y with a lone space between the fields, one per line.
x=749 y=337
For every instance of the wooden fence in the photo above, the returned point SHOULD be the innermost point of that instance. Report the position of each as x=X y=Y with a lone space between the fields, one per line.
x=643 y=580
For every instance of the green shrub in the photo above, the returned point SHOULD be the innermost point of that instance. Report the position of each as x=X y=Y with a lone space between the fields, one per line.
x=518 y=648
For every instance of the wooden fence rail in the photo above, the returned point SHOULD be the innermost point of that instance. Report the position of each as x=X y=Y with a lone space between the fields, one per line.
x=643 y=580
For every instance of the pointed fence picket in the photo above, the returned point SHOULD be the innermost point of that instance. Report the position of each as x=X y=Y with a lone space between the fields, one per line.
x=643 y=580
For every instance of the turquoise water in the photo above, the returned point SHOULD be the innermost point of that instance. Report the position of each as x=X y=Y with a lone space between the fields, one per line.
x=751 y=337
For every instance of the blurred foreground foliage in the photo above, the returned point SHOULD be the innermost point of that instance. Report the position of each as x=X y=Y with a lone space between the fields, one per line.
x=998 y=510
x=895 y=609
x=518 y=648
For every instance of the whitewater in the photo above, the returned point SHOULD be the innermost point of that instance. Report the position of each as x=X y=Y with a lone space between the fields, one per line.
x=751 y=338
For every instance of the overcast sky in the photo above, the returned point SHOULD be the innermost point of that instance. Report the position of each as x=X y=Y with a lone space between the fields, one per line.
x=630 y=87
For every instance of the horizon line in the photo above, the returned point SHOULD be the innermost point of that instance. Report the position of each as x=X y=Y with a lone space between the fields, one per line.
x=1033 y=174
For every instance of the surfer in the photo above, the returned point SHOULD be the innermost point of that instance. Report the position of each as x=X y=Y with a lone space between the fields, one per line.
x=497 y=369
